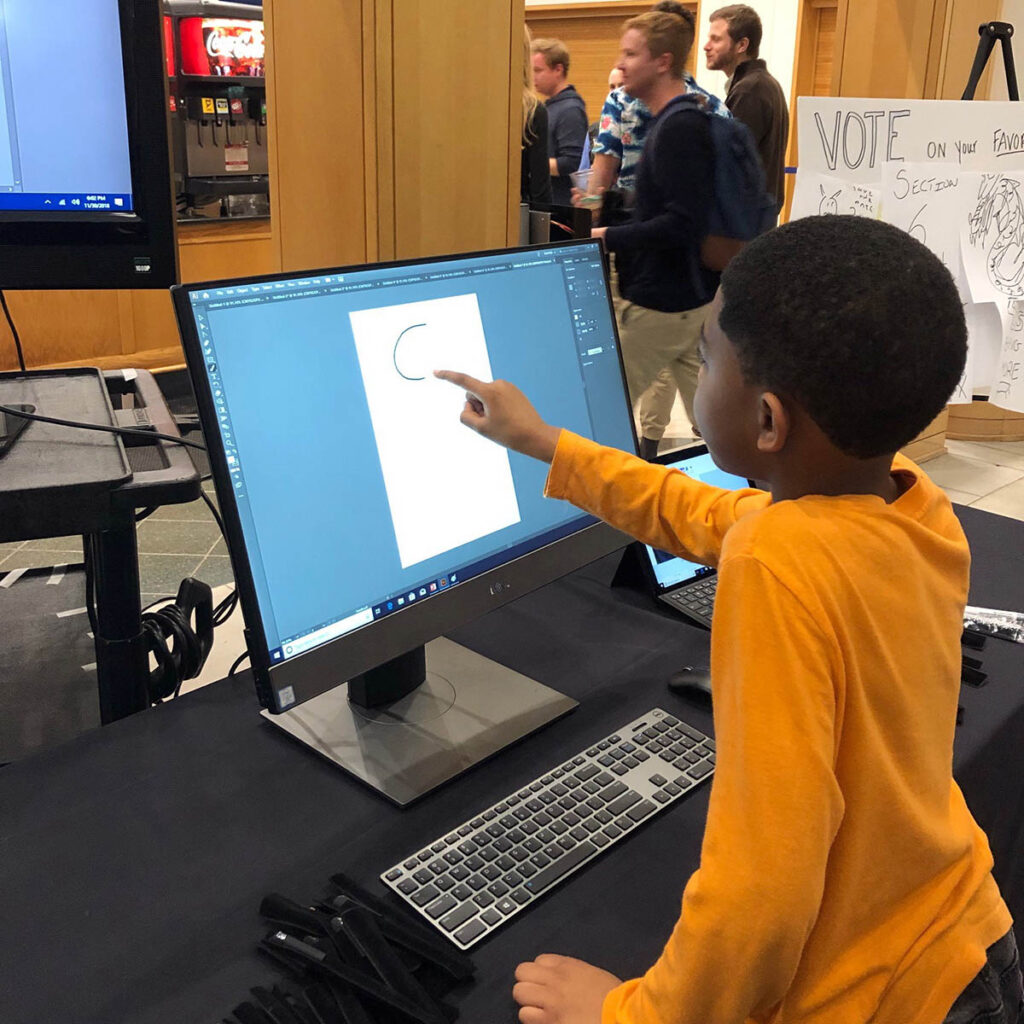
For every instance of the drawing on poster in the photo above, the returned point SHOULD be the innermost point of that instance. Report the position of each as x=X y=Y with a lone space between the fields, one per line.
x=997 y=224
x=394 y=356
x=828 y=204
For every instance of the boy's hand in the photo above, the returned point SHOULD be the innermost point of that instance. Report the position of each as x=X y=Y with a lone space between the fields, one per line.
x=561 y=990
x=501 y=412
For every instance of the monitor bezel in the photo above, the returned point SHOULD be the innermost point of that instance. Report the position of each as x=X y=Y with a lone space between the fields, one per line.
x=111 y=249
x=322 y=668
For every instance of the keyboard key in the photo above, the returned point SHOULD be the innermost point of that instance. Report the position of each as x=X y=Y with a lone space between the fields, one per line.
x=672 y=789
x=442 y=906
x=506 y=906
x=470 y=932
x=491 y=916
x=662 y=798
x=641 y=810
x=474 y=863
x=423 y=876
x=408 y=885
x=450 y=839
x=461 y=893
x=599 y=840
x=498 y=888
x=410 y=864
x=682 y=782
x=619 y=769
x=465 y=830
x=612 y=831
x=458 y=917
x=698 y=771
x=491 y=872
x=444 y=882
x=527 y=870
x=630 y=762
x=453 y=857
x=394 y=874
x=425 y=895
x=501 y=808
x=483 y=899
x=690 y=731
x=502 y=845
x=579 y=833
x=521 y=896
x=556 y=870
x=505 y=862
x=477 y=882
x=657 y=780
x=512 y=879
x=623 y=803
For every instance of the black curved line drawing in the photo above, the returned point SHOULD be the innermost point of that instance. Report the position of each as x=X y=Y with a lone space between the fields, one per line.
x=1000 y=205
x=394 y=353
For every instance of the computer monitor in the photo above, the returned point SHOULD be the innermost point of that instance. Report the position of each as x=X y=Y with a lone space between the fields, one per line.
x=85 y=178
x=364 y=520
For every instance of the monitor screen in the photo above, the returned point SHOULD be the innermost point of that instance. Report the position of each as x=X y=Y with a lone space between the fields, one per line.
x=63 y=148
x=363 y=518
x=329 y=416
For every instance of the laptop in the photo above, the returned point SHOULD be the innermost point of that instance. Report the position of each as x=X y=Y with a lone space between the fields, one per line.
x=687 y=587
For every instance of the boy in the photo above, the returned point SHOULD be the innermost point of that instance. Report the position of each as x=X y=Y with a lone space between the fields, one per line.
x=842 y=877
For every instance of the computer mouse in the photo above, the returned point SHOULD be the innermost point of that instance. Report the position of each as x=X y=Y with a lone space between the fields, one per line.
x=691 y=682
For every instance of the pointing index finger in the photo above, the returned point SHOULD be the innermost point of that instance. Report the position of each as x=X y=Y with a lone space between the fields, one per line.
x=462 y=380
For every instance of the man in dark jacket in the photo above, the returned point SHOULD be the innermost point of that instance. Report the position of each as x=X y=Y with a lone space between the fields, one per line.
x=757 y=99
x=567 y=114
x=665 y=289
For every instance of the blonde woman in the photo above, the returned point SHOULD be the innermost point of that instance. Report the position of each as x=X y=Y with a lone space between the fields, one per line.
x=535 y=176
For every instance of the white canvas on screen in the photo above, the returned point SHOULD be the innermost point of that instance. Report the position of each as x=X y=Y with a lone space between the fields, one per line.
x=446 y=485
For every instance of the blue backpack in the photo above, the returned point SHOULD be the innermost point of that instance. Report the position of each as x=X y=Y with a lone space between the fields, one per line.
x=742 y=208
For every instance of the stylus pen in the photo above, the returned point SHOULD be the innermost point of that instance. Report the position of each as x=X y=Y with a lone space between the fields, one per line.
x=335 y=1003
x=403 y=929
x=318 y=959
x=359 y=925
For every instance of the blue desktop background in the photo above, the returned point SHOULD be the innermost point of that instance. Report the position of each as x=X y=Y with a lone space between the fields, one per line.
x=314 y=506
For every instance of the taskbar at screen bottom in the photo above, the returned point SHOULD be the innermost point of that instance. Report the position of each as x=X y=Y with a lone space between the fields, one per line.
x=393 y=603
x=65 y=202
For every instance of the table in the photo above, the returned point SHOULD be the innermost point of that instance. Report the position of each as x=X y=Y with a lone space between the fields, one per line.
x=58 y=481
x=134 y=858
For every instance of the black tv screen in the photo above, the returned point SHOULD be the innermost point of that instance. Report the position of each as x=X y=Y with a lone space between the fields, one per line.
x=85 y=179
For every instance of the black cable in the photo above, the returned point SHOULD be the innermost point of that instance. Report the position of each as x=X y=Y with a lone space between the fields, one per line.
x=238 y=661
x=148 y=434
x=14 y=331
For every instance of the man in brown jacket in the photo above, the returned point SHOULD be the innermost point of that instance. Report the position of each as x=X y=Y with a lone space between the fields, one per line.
x=734 y=38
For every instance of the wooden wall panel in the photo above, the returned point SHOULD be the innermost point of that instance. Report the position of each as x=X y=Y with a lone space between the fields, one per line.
x=451 y=108
x=591 y=33
x=316 y=131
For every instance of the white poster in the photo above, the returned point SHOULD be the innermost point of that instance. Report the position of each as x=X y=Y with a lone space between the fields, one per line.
x=926 y=201
x=446 y=485
x=820 y=194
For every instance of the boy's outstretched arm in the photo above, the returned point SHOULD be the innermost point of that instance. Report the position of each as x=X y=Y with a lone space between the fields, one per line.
x=501 y=412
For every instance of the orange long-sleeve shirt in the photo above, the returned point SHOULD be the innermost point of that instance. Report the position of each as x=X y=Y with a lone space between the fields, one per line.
x=842 y=877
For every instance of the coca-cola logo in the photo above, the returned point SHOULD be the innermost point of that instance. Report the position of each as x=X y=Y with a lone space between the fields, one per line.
x=236 y=45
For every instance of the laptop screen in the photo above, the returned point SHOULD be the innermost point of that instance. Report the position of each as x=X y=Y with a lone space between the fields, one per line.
x=670 y=571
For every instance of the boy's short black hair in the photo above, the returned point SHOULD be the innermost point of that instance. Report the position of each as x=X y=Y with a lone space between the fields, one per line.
x=852 y=318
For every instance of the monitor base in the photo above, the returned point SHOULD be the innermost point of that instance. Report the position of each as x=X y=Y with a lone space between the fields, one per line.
x=468 y=708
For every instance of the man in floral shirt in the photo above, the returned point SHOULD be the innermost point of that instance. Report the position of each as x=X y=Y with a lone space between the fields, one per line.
x=620 y=140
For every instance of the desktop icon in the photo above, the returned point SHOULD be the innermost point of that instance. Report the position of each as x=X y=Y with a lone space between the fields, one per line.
x=444 y=582
x=401 y=601
x=453 y=578
x=433 y=587
x=412 y=595
x=376 y=612
x=423 y=591
x=391 y=606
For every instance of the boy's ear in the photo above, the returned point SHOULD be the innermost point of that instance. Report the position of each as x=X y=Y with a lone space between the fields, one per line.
x=773 y=424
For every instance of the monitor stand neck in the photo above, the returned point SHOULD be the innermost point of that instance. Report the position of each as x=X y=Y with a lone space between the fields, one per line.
x=391 y=681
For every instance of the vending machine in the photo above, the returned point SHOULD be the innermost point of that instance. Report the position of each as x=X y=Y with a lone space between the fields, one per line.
x=218 y=107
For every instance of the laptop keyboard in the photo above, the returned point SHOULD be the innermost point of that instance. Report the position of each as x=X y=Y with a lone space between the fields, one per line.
x=697 y=599
x=487 y=869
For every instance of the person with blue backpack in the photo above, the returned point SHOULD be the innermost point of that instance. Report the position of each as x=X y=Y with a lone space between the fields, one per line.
x=700 y=195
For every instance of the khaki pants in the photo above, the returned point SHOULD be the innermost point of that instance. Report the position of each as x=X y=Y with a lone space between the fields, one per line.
x=653 y=341
x=656 y=406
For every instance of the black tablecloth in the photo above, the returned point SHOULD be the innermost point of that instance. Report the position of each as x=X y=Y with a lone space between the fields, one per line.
x=134 y=858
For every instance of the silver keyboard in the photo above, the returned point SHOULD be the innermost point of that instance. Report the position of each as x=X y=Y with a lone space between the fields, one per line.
x=484 y=871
